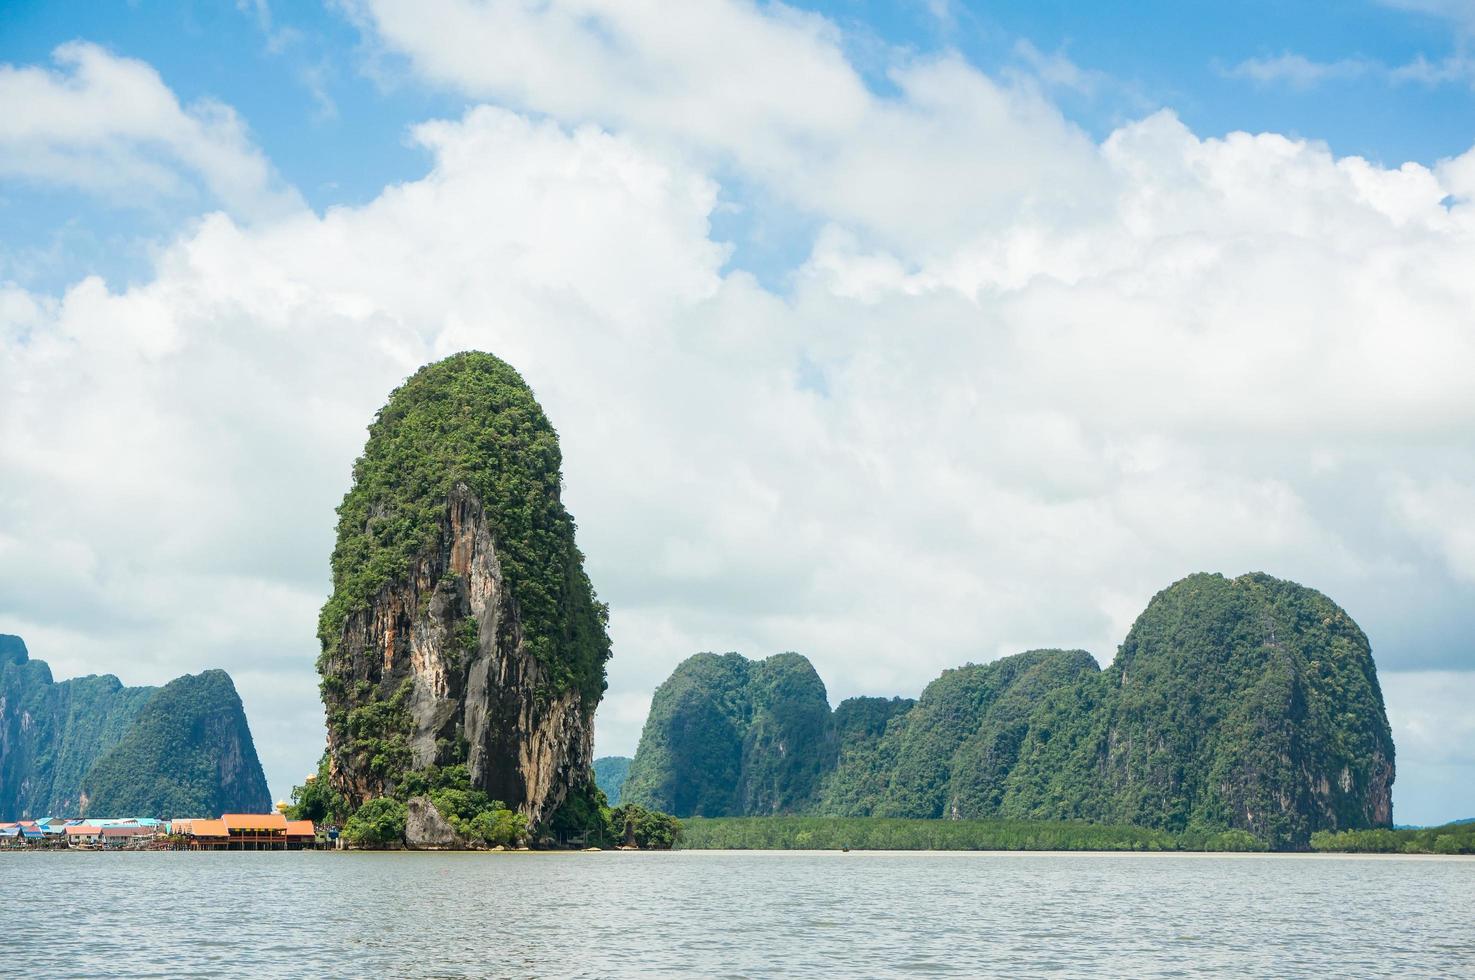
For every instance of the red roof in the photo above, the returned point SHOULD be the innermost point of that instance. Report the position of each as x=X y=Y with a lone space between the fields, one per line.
x=254 y=821
x=84 y=830
x=300 y=828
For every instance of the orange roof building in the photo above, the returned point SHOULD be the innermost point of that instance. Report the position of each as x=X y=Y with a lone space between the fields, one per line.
x=301 y=829
x=254 y=823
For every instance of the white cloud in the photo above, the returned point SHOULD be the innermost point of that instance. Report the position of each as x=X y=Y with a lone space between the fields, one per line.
x=770 y=93
x=992 y=412
x=1441 y=514
x=1299 y=71
x=1434 y=734
x=110 y=126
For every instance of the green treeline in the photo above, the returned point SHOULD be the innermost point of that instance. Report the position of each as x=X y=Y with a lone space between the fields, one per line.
x=899 y=834
x=1454 y=838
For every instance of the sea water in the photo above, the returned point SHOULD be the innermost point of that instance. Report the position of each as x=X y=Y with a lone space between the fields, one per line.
x=733 y=914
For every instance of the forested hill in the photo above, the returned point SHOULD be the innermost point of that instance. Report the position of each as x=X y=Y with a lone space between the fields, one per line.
x=1248 y=703
x=189 y=751
x=53 y=736
x=728 y=736
x=610 y=772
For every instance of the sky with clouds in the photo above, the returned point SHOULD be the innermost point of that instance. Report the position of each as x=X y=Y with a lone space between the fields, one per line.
x=900 y=335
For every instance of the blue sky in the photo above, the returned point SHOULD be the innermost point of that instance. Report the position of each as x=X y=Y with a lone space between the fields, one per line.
x=330 y=106
x=981 y=313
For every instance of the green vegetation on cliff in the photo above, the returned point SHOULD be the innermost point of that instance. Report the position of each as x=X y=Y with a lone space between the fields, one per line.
x=462 y=630
x=51 y=733
x=728 y=735
x=584 y=819
x=470 y=419
x=380 y=822
x=188 y=753
x=1242 y=709
x=865 y=757
x=961 y=741
x=610 y=773
x=1248 y=702
x=92 y=744
x=317 y=800
x=635 y=826
x=12 y=650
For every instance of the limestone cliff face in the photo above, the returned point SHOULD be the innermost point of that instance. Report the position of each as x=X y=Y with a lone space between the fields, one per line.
x=1279 y=725
x=1234 y=704
x=440 y=665
x=91 y=746
x=188 y=751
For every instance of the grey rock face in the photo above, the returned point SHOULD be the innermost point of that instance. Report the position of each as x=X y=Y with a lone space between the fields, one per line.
x=427 y=830
x=489 y=698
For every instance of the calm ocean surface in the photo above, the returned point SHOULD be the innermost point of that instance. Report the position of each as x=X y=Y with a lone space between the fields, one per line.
x=733 y=914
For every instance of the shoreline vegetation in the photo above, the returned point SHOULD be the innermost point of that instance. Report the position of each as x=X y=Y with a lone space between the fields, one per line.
x=800 y=833
x=900 y=834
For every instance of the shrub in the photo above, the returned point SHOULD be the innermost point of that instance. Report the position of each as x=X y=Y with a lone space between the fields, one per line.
x=378 y=823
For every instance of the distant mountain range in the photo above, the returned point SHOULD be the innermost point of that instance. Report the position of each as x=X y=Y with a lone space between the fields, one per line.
x=90 y=746
x=1249 y=703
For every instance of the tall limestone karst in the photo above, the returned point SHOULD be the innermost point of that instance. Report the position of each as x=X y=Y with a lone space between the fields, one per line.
x=462 y=629
x=1248 y=703
x=90 y=746
x=727 y=735
x=188 y=751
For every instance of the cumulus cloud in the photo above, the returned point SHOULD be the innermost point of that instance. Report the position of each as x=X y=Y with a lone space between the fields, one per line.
x=771 y=94
x=1021 y=381
x=109 y=125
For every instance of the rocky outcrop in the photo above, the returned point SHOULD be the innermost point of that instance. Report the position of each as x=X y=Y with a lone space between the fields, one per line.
x=427 y=830
x=188 y=752
x=91 y=745
x=1249 y=703
x=729 y=736
x=462 y=629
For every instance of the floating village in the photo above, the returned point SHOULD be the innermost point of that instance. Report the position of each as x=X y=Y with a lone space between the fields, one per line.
x=228 y=832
